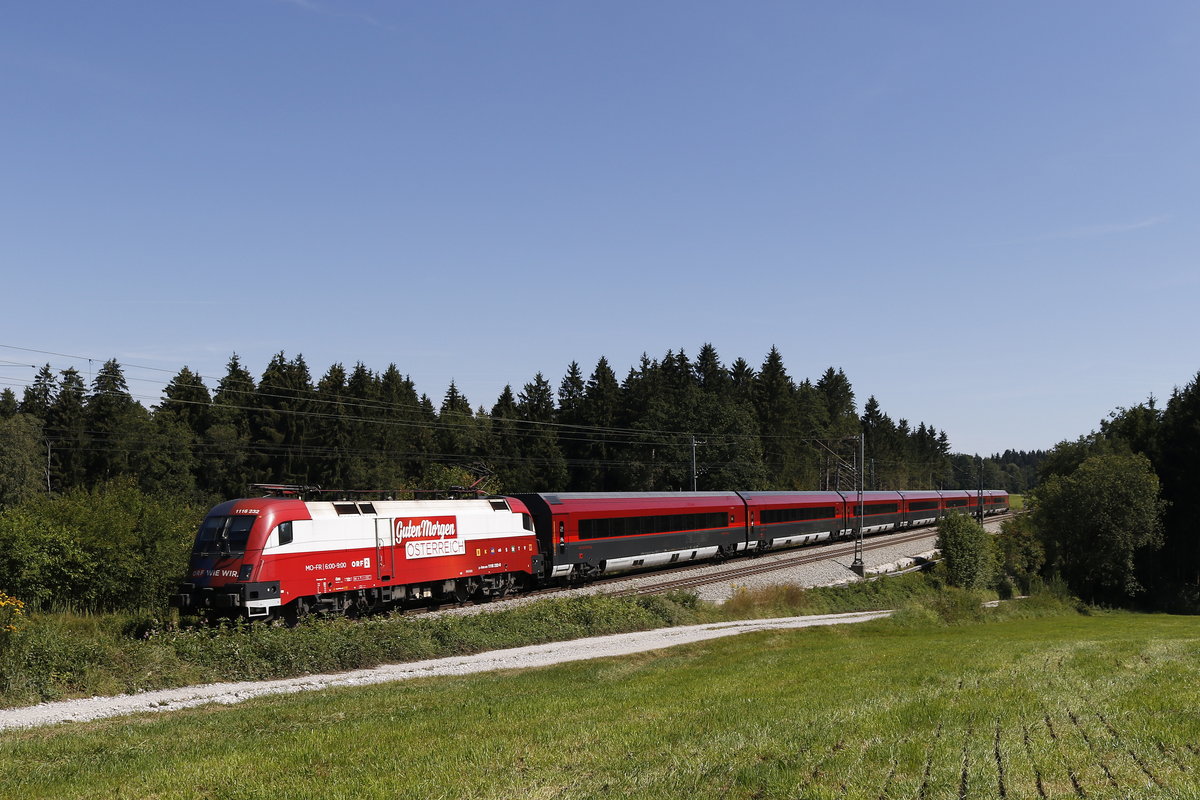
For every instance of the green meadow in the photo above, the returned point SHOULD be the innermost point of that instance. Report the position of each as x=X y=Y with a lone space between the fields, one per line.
x=1031 y=700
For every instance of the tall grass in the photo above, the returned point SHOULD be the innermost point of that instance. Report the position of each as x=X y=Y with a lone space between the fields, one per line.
x=69 y=654
x=1066 y=705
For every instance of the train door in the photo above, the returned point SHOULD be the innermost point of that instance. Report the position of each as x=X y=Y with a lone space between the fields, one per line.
x=383 y=548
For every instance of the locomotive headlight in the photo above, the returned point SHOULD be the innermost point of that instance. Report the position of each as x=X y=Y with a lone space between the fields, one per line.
x=245 y=572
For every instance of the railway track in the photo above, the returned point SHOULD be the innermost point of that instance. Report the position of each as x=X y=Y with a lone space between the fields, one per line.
x=789 y=560
x=825 y=553
x=695 y=575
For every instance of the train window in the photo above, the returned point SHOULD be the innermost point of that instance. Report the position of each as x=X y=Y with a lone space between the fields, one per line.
x=774 y=515
x=922 y=505
x=882 y=508
x=225 y=533
x=366 y=508
x=239 y=531
x=210 y=529
x=637 y=526
x=285 y=532
x=345 y=508
x=527 y=522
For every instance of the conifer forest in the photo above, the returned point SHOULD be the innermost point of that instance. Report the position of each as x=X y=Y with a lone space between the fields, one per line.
x=668 y=424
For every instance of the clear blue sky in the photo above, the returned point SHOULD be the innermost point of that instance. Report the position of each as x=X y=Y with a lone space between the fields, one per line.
x=986 y=214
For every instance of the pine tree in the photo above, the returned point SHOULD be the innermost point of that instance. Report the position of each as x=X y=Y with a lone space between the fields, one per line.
x=835 y=388
x=66 y=429
x=600 y=411
x=187 y=399
x=366 y=424
x=539 y=440
x=741 y=380
x=40 y=394
x=9 y=406
x=572 y=441
x=711 y=375
x=504 y=445
x=226 y=466
x=775 y=407
x=406 y=437
x=651 y=455
x=281 y=422
x=167 y=464
x=457 y=436
x=118 y=426
x=330 y=459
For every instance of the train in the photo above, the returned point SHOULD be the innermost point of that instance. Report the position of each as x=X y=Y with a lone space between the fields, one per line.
x=282 y=556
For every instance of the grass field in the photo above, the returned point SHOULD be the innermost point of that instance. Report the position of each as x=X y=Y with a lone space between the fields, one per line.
x=1057 y=706
x=60 y=655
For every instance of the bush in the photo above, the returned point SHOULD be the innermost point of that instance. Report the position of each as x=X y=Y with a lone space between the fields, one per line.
x=109 y=548
x=1022 y=555
x=968 y=552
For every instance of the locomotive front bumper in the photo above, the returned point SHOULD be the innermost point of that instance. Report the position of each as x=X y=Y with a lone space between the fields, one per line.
x=254 y=599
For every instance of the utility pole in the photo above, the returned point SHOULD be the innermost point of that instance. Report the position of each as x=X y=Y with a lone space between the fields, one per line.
x=694 y=443
x=857 y=565
x=979 y=502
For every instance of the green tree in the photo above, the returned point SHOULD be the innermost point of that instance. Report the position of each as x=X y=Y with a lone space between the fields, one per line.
x=778 y=421
x=8 y=404
x=66 y=428
x=835 y=389
x=539 y=440
x=282 y=421
x=504 y=447
x=711 y=375
x=405 y=435
x=968 y=551
x=1022 y=553
x=572 y=440
x=600 y=411
x=226 y=464
x=742 y=381
x=1179 y=466
x=365 y=427
x=330 y=458
x=118 y=426
x=22 y=459
x=39 y=395
x=458 y=434
x=1099 y=522
x=187 y=399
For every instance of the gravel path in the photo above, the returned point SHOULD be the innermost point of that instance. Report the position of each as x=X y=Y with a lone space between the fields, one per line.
x=515 y=658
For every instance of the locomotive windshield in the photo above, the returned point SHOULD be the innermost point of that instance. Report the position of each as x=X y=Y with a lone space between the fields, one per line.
x=224 y=534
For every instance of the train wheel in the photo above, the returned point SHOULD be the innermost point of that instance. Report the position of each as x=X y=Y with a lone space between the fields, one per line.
x=464 y=589
x=295 y=611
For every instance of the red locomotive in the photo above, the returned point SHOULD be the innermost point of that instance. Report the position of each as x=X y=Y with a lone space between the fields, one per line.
x=271 y=555
x=275 y=556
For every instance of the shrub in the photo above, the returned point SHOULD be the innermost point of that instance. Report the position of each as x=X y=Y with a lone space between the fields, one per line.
x=109 y=548
x=968 y=551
